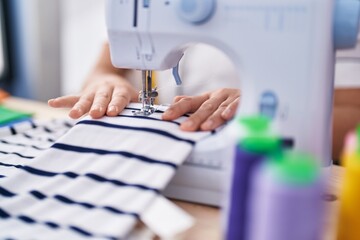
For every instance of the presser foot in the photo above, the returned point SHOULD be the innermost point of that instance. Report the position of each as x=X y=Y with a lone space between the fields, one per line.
x=147 y=111
x=147 y=96
x=147 y=100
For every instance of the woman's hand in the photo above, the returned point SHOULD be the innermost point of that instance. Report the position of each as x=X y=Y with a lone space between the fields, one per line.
x=106 y=94
x=210 y=110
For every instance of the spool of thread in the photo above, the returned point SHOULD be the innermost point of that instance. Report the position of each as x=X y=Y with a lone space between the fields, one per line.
x=349 y=215
x=254 y=145
x=350 y=143
x=286 y=199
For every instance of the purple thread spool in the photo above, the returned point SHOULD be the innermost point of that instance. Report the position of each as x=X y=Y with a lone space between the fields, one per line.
x=252 y=148
x=286 y=200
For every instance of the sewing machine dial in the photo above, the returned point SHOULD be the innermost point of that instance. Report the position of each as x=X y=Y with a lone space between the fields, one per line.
x=195 y=11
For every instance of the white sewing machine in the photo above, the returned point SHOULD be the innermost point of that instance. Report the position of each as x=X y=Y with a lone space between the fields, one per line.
x=284 y=49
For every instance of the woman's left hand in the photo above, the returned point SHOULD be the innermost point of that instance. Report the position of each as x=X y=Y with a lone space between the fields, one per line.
x=210 y=110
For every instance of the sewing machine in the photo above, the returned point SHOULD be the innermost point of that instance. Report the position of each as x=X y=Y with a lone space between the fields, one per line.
x=284 y=50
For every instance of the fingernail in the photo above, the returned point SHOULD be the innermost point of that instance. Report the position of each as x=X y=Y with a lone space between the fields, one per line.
x=78 y=110
x=188 y=124
x=97 y=108
x=208 y=124
x=112 y=109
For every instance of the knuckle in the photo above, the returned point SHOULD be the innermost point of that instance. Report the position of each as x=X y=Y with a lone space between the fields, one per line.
x=85 y=101
x=206 y=94
x=120 y=96
x=178 y=98
x=235 y=93
x=86 y=98
x=185 y=104
x=222 y=91
x=186 y=99
x=108 y=81
x=105 y=95
x=224 y=105
x=208 y=106
x=228 y=92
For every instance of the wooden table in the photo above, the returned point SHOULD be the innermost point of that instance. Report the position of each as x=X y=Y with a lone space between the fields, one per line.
x=207 y=218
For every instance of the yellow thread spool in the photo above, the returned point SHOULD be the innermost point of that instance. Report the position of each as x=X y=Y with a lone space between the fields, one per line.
x=349 y=216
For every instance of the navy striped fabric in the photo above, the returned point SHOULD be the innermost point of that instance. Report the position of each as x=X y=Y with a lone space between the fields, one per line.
x=91 y=180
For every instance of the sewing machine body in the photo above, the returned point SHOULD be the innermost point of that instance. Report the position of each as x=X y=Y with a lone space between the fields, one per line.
x=202 y=178
x=283 y=49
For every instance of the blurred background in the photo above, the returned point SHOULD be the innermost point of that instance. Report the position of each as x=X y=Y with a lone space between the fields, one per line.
x=47 y=47
x=50 y=45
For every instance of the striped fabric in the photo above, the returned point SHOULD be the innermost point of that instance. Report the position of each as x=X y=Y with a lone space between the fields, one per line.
x=89 y=181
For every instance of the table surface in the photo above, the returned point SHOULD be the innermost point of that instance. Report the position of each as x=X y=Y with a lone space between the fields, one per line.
x=207 y=218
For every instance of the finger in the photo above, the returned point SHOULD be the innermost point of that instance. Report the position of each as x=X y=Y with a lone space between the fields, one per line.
x=230 y=110
x=101 y=101
x=120 y=99
x=63 y=102
x=216 y=119
x=178 y=98
x=183 y=106
x=82 y=106
x=204 y=111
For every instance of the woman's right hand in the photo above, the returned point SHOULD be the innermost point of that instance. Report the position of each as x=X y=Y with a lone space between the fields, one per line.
x=106 y=94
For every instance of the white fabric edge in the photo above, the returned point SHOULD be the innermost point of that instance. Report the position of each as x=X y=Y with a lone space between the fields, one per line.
x=166 y=219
